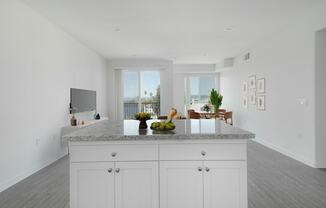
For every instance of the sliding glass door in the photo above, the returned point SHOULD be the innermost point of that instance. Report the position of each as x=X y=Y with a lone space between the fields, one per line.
x=199 y=91
x=141 y=92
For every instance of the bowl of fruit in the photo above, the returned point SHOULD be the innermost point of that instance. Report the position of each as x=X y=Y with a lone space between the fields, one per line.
x=163 y=126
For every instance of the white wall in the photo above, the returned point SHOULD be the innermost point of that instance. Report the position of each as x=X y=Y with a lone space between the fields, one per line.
x=38 y=65
x=166 y=85
x=320 y=111
x=286 y=60
x=193 y=68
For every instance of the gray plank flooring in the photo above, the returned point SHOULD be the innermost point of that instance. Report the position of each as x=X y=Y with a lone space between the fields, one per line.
x=48 y=188
x=275 y=181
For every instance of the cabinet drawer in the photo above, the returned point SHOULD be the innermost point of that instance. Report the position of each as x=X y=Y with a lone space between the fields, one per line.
x=203 y=152
x=113 y=153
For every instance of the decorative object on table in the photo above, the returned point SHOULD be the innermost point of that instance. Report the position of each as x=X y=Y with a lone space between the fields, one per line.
x=142 y=118
x=261 y=85
x=252 y=82
x=252 y=98
x=261 y=102
x=216 y=100
x=245 y=101
x=245 y=88
x=73 y=120
x=97 y=117
x=206 y=108
x=173 y=112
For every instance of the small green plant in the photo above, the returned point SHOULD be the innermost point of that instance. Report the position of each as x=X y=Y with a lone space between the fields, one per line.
x=216 y=99
x=142 y=116
x=206 y=108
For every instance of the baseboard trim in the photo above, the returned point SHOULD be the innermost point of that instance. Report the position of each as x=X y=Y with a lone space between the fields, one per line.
x=287 y=153
x=320 y=165
x=9 y=183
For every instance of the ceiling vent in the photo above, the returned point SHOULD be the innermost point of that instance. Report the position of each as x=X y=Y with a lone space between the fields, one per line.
x=226 y=64
x=246 y=56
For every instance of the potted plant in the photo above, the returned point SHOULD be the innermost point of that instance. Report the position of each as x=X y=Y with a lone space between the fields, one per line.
x=215 y=100
x=142 y=117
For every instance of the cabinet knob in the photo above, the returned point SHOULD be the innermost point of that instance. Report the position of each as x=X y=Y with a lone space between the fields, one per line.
x=203 y=153
x=207 y=169
x=200 y=169
x=117 y=170
x=114 y=154
x=110 y=170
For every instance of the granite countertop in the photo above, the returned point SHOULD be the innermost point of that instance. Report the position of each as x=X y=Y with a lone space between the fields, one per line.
x=121 y=130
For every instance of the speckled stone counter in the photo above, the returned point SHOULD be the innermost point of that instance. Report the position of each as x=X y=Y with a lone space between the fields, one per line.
x=112 y=162
x=123 y=130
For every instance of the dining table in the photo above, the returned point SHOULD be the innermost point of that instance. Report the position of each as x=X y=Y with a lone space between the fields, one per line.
x=207 y=115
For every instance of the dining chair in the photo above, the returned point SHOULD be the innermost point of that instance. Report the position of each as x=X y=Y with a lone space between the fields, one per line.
x=221 y=113
x=228 y=116
x=193 y=115
x=190 y=111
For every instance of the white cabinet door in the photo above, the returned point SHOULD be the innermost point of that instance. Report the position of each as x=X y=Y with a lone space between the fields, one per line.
x=92 y=185
x=137 y=185
x=181 y=184
x=225 y=184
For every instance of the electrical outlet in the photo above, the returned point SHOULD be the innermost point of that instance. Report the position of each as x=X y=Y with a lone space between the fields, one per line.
x=303 y=101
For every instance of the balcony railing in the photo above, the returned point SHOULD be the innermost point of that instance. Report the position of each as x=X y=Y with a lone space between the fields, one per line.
x=131 y=108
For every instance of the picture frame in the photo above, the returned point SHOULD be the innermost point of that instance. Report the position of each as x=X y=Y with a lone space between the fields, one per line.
x=261 y=105
x=260 y=85
x=252 y=82
x=245 y=101
x=252 y=98
x=245 y=88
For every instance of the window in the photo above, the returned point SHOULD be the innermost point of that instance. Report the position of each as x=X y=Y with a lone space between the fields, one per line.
x=199 y=91
x=141 y=92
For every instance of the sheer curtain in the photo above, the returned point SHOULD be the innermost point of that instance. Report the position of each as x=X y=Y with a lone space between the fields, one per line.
x=118 y=94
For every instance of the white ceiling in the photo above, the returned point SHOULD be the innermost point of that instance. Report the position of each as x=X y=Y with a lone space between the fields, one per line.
x=185 y=31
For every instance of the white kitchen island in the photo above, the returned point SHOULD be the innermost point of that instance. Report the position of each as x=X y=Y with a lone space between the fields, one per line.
x=201 y=164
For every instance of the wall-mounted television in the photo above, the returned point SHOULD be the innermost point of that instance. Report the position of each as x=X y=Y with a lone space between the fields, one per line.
x=82 y=100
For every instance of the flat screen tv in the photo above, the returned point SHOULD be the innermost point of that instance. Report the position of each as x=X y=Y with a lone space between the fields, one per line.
x=82 y=100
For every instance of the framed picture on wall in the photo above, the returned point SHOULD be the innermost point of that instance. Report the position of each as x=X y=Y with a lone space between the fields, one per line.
x=245 y=88
x=245 y=101
x=252 y=82
x=261 y=102
x=252 y=98
x=261 y=85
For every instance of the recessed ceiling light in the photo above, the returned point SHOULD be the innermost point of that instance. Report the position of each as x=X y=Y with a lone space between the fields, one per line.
x=228 y=29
